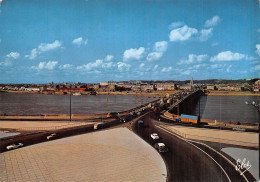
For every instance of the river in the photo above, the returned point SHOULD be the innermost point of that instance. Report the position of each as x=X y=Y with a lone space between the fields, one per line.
x=22 y=103
x=228 y=108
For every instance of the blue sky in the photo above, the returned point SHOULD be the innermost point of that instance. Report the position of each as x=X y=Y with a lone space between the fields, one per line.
x=101 y=40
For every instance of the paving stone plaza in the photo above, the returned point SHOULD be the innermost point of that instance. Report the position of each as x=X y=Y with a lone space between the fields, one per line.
x=110 y=155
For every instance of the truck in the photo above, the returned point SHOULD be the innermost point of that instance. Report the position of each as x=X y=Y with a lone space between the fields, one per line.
x=184 y=118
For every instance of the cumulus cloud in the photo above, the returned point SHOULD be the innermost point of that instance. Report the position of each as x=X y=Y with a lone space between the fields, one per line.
x=65 y=66
x=161 y=46
x=33 y=54
x=175 y=25
x=205 y=34
x=43 y=47
x=91 y=65
x=49 y=46
x=192 y=58
x=108 y=65
x=258 y=49
x=13 y=55
x=182 y=34
x=46 y=65
x=133 y=54
x=109 y=57
x=212 y=22
x=79 y=41
x=155 y=67
x=123 y=66
x=154 y=56
x=166 y=69
x=229 y=56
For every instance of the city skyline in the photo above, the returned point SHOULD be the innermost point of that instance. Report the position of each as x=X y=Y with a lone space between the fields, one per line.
x=95 y=41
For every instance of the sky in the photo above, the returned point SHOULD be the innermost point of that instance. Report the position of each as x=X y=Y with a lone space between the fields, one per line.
x=103 y=40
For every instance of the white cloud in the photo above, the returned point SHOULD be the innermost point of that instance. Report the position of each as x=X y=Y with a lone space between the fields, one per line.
x=141 y=66
x=228 y=68
x=257 y=67
x=46 y=65
x=155 y=67
x=1 y=2
x=153 y=56
x=166 y=69
x=182 y=34
x=192 y=58
x=65 y=67
x=212 y=22
x=108 y=65
x=161 y=46
x=175 y=25
x=229 y=56
x=13 y=55
x=91 y=65
x=123 y=66
x=258 y=49
x=109 y=57
x=43 y=47
x=33 y=54
x=187 y=72
x=133 y=54
x=49 y=46
x=205 y=34
x=79 y=41
x=6 y=63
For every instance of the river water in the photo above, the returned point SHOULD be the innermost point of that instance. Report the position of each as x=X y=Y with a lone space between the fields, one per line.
x=228 y=108
x=20 y=103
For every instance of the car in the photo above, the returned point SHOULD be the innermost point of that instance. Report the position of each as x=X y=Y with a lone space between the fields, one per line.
x=112 y=114
x=154 y=136
x=51 y=136
x=140 y=123
x=98 y=126
x=161 y=147
x=14 y=146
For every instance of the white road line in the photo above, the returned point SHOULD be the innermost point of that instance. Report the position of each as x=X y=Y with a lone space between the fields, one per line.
x=188 y=140
x=197 y=148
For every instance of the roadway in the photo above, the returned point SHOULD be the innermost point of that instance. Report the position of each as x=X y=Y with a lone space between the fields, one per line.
x=184 y=161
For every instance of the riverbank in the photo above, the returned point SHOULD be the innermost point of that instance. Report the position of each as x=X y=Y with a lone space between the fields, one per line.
x=231 y=93
x=148 y=94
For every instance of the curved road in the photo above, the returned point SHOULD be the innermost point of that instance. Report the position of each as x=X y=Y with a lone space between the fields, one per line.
x=184 y=161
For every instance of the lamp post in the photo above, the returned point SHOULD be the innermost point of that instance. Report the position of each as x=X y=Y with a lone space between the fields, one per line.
x=70 y=102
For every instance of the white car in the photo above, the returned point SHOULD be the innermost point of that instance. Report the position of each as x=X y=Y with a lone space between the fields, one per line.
x=154 y=136
x=14 y=146
x=51 y=136
x=161 y=147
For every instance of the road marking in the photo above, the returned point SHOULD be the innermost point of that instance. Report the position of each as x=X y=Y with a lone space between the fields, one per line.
x=208 y=147
x=197 y=148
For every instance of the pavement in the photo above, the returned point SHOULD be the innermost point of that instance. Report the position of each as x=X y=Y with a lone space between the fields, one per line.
x=247 y=139
x=107 y=155
x=39 y=125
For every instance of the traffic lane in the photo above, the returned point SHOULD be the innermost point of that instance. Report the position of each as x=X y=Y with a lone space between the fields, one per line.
x=184 y=162
x=39 y=137
x=231 y=170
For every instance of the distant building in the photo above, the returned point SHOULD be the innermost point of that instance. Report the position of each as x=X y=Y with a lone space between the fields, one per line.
x=211 y=87
x=257 y=86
